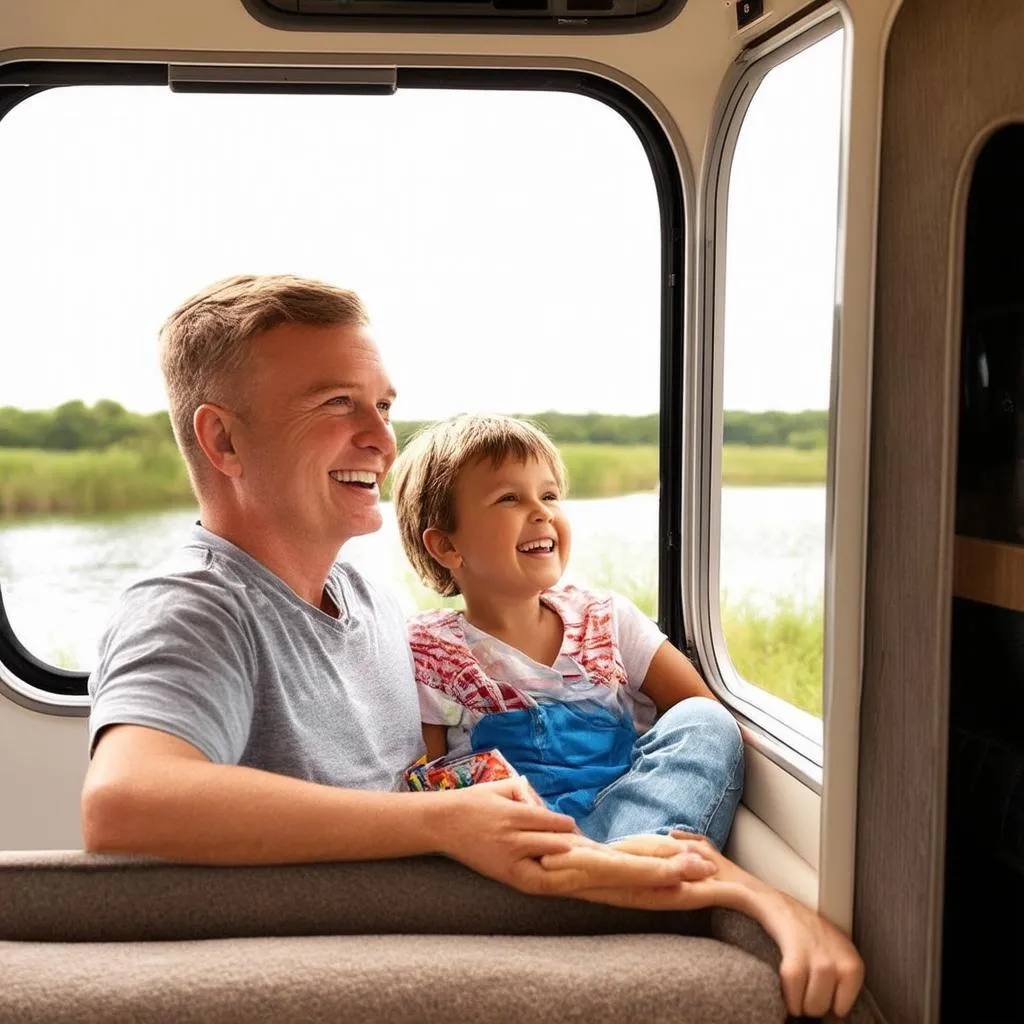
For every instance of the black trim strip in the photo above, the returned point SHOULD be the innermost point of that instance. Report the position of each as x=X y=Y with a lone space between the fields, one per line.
x=46 y=73
x=18 y=81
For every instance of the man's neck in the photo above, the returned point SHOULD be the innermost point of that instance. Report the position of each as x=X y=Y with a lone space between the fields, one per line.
x=303 y=567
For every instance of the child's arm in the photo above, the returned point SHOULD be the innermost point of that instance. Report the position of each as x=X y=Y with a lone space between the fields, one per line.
x=820 y=970
x=436 y=739
x=667 y=674
x=671 y=678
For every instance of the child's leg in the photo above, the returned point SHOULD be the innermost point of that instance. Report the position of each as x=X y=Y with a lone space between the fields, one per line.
x=686 y=774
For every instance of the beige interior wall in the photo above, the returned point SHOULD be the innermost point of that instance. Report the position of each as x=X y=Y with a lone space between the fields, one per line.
x=42 y=764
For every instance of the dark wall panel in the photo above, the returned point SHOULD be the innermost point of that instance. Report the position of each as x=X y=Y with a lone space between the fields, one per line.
x=954 y=68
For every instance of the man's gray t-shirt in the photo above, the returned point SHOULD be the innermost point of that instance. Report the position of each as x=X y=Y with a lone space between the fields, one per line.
x=220 y=652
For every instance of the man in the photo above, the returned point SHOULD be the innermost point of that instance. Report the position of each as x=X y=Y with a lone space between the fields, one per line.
x=254 y=703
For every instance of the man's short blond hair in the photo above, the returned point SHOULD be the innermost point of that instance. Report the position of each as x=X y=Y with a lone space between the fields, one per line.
x=425 y=475
x=204 y=341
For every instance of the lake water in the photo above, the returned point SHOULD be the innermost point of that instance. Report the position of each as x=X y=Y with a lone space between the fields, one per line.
x=61 y=578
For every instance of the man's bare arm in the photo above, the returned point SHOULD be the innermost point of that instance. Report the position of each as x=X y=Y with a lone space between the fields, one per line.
x=150 y=793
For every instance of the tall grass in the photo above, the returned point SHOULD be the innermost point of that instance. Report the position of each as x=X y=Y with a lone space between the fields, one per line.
x=152 y=475
x=750 y=465
x=118 y=479
x=778 y=650
x=606 y=470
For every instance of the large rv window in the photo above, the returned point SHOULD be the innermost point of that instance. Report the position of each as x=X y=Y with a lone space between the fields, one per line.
x=780 y=251
x=508 y=245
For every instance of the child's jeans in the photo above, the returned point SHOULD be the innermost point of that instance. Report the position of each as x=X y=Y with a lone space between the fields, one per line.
x=685 y=772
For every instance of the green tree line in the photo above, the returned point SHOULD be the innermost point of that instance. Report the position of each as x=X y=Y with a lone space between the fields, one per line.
x=805 y=430
x=75 y=425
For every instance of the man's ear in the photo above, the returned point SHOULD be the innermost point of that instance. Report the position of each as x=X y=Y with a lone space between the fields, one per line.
x=441 y=549
x=214 y=426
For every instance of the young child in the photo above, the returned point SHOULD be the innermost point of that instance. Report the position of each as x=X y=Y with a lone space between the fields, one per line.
x=578 y=689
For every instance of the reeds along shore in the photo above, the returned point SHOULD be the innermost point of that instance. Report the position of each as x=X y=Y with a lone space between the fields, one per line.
x=136 y=477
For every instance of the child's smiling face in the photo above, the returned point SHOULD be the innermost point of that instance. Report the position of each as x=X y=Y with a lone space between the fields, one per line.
x=511 y=535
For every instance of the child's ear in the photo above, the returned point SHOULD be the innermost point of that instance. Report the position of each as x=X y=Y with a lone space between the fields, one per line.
x=440 y=548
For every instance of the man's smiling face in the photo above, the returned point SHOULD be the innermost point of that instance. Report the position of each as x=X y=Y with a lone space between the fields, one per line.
x=314 y=434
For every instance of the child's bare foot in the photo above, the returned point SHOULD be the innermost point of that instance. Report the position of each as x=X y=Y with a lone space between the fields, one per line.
x=652 y=845
x=693 y=848
x=627 y=865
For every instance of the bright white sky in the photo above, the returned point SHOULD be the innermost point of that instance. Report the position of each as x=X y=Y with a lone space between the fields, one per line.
x=507 y=244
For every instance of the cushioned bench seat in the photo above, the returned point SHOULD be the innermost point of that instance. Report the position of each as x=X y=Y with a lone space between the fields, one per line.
x=388 y=978
x=94 y=939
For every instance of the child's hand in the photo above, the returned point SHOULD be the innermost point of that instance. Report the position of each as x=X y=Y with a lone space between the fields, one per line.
x=821 y=971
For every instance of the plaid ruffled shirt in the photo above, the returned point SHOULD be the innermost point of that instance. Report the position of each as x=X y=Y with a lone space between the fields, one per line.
x=463 y=673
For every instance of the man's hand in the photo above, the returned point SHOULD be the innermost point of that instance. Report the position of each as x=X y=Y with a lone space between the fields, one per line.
x=502 y=830
x=499 y=829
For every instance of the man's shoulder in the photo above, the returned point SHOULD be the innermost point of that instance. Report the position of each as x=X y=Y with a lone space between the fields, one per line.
x=194 y=575
x=373 y=597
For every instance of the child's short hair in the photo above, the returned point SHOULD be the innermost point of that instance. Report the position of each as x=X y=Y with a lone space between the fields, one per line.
x=423 y=484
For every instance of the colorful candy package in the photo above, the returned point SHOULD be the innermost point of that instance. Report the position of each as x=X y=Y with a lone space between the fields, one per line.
x=455 y=772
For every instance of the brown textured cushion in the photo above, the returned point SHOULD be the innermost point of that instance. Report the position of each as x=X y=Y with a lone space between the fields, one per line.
x=395 y=979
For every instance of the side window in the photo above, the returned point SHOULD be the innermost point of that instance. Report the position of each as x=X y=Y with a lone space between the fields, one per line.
x=779 y=314
x=507 y=244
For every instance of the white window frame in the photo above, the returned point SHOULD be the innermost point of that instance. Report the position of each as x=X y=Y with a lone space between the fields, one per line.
x=790 y=736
